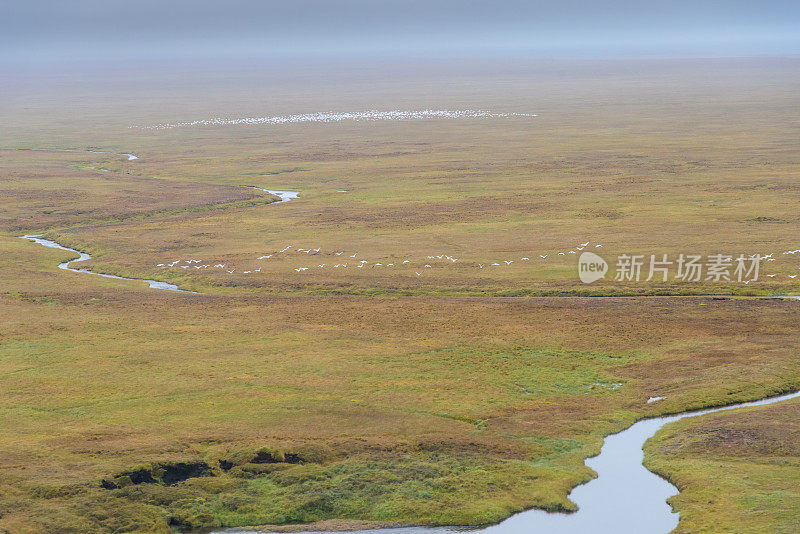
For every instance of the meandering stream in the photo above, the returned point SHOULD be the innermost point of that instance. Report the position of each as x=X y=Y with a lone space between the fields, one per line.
x=82 y=256
x=624 y=498
x=285 y=196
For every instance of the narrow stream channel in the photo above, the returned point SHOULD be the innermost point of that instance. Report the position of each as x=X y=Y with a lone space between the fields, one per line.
x=285 y=196
x=625 y=498
x=82 y=256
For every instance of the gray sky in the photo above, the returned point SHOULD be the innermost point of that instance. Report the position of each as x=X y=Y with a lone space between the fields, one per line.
x=34 y=30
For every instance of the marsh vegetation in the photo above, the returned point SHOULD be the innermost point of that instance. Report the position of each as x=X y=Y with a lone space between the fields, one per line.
x=457 y=397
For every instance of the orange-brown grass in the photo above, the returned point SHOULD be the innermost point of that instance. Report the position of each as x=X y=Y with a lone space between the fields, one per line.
x=129 y=375
x=737 y=472
x=642 y=163
x=41 y=189
x=376 y=394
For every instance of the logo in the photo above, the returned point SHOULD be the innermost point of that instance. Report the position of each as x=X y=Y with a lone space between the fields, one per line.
x=591 y=267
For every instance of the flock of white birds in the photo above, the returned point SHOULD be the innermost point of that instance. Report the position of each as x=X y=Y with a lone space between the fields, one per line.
x=337 y=116
x=345 y=260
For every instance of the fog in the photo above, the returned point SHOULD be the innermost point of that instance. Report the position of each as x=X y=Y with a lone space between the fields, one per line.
x=45 y=31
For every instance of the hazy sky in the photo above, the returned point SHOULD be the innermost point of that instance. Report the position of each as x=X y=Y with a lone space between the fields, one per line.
x=34 y=30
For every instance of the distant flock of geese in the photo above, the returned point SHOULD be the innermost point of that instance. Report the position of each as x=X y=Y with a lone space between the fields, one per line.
x=338 y=116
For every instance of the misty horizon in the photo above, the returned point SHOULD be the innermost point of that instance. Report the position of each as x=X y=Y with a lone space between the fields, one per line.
x=34 y=32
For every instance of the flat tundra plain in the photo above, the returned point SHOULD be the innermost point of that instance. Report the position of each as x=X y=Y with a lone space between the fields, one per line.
x=408 y=341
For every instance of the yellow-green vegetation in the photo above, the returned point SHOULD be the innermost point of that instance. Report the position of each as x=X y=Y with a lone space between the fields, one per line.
x=737 y=472
x=455 y=397
x=42 y=189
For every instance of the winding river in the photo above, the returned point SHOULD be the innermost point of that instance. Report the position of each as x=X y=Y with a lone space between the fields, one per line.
x=624 y=498
x=82 y=256
x=285 y=196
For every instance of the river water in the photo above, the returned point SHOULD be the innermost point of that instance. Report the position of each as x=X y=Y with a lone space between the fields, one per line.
x=625 y=498
x=285 y=196
x=82 y=256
